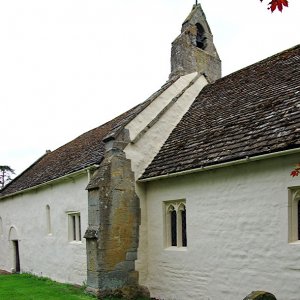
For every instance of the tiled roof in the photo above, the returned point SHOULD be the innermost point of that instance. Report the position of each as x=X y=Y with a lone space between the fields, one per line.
x=84 y=151
x=251 y=112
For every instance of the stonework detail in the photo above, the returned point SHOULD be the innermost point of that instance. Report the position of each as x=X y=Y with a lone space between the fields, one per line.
x=193 y=50
x=114 y=219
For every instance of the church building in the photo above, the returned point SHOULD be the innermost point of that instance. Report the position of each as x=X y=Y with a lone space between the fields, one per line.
x=187 y=195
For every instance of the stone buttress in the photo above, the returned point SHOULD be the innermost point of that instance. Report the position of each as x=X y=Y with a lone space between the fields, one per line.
x=114 y=219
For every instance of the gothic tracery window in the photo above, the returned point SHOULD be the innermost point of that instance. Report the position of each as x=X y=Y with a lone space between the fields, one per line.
x=176 y=224
x=294 y=215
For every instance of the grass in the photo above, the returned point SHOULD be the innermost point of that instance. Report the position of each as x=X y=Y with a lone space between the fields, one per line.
x=29 y=287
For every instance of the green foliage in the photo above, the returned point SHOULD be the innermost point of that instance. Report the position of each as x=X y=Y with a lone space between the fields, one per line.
x=30 y=287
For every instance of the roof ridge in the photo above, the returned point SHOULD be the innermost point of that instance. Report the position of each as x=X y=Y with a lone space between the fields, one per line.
x=262 y=61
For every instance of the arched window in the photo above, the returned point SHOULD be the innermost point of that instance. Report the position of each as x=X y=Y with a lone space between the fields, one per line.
x=200 y=38
x=1 y=227
x=298 y=209
x=173 y=215
x=48 y=219
x=176 y=224
x=183 y=225
x=294 y=215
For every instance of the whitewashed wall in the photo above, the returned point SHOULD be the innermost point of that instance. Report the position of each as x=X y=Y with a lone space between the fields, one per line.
x=237 y=232
x=144 y=150
x=47 y=255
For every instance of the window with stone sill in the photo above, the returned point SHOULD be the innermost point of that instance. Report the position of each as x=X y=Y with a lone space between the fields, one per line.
x=74 y=226
x=294 y=214
x=175 y=224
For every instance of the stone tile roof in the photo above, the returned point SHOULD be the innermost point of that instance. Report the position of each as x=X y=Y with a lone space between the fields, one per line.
x=84 y=151
x=251 y=112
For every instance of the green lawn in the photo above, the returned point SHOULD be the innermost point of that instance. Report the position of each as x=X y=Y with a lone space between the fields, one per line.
x=29 y=287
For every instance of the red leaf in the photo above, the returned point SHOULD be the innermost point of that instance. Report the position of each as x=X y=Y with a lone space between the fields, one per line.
x=285 y=3
x=295 y=173
x=277 y=4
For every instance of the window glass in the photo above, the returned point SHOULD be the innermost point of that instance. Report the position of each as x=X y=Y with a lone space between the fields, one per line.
x=173 y=228
x=183 y=220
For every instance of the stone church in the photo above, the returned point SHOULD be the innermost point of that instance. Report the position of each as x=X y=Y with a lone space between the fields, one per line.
x=188 y=195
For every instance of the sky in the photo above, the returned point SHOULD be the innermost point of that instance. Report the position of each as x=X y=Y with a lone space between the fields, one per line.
x=67 y=66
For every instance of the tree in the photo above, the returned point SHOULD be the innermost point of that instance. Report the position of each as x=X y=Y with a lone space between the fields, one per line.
x=5 y=175
x=277 y=4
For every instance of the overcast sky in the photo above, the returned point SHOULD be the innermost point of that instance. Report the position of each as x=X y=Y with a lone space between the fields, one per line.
x=67 y=66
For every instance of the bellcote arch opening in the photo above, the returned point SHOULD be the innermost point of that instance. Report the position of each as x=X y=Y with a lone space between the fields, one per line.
x=201 y=41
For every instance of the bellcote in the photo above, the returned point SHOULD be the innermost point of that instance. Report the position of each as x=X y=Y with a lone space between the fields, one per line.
x=193 y=50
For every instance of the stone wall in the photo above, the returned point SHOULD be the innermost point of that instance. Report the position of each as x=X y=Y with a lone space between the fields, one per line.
x=188 y=56
x=113 y=232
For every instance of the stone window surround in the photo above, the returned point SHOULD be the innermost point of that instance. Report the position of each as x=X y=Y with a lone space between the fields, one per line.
x=74 y=227
x=177 y=205
x=293 y=221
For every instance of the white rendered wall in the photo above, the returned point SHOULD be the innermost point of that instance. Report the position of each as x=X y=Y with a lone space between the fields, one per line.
x=144 y=150
x=237 y=234
x=42 y=254
x=151 y=111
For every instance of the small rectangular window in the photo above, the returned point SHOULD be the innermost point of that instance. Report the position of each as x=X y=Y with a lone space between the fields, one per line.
x=74 y=226
x=175 y=223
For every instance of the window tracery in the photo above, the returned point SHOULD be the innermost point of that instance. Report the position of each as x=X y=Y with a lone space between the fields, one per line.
x=176 y=224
